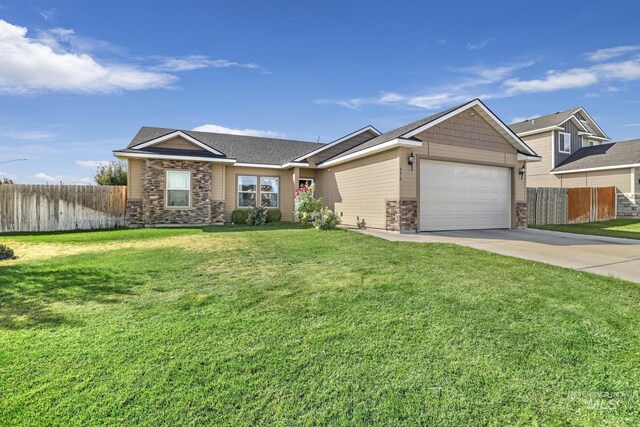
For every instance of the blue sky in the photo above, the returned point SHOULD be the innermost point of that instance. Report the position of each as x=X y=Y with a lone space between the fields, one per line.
x=78 y=78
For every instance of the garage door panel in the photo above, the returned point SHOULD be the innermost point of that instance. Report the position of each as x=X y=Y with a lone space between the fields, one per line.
x=457 y=196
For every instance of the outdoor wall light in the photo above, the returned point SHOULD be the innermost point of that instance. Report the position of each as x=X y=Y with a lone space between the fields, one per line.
x=412 y=160
x=521 y=171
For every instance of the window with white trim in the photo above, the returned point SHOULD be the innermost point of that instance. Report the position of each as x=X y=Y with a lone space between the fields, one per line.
x=564 y=142
x=178 y=189
x=247 y=191
x=269 y=187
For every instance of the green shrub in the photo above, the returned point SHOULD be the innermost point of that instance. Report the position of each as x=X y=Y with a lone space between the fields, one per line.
x=274 y=215
x=239 y=216
x=6 y=252
x=326 y=219
x=257 y=215
x=306 y=204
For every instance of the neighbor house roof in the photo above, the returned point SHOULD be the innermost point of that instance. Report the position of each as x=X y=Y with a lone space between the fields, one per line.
x=244 y=149
x=557 y=119
x=543 y=122
x=606 y=156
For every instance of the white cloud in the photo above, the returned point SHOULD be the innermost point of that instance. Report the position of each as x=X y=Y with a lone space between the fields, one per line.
x=484 y=75
x=480 y=45
x=502 y=81
x=610 y=53
x=197 y=62
x=91 y=164
x=29 y=135
x=248 y=132
x=626 y=70
x=62 y=40
x=65 y=179
x=554 y=80
x=632 y=125
x=47 y=14
x=471 y=85
x=576 y=78
x=29 y=65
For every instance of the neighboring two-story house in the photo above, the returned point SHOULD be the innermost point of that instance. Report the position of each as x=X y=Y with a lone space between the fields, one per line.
x=576 y=152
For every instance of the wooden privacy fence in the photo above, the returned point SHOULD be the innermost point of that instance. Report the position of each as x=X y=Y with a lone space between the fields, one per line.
x=570 y=205
x=25 y=207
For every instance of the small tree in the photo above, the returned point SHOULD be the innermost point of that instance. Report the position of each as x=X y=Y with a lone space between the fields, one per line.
x=114 y=173
x=6 y=181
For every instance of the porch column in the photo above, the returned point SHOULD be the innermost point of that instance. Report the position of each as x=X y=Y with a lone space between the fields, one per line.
x=296 y=177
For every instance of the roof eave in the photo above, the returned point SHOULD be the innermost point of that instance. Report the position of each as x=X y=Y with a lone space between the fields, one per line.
x=394 y=143
x=126 y=155
x=598 y=168
x=368 y=128
x=540 y=130
x=528 y=158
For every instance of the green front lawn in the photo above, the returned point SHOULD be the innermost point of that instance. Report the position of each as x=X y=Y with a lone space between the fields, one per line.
x=284 y=325
x=626 y=228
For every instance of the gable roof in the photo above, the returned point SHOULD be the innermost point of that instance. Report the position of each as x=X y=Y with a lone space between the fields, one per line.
x=243 y=149
x=409 y=131
x=284 y=153
x=393 y=134
x=543 y=122
x=557 y=119
x=617 y=155
x=348 y=141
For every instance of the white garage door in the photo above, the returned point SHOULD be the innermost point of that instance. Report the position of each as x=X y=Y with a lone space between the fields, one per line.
x=462 y=196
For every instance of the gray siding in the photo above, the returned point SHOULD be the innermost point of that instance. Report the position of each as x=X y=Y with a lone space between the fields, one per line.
x=576 y=142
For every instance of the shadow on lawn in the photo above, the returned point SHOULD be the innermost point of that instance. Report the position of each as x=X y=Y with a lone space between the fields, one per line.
x=28 y=293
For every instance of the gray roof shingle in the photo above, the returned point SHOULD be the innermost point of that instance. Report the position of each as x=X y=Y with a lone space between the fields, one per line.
x=245 y=149
x=542 y=122
x=395 y=133
x=605 y=155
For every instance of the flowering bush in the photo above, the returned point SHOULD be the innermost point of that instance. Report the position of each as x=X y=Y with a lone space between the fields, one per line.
x=325 y=219
x=306 y=204
x=257 y=215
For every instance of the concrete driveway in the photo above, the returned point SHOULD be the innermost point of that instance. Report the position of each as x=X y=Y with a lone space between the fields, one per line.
x=600 y=255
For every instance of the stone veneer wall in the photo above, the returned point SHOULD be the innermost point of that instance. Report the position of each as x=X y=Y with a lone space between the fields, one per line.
x=134 y=212
x=217 y=211
x=628 y=205
x=521 y=215
x=154 y=210
x=401 y=215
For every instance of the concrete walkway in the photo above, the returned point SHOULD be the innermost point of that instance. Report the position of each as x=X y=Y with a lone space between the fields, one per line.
x=600 y=255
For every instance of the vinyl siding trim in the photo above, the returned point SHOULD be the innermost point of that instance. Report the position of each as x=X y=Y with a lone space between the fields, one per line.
x=632 y=165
